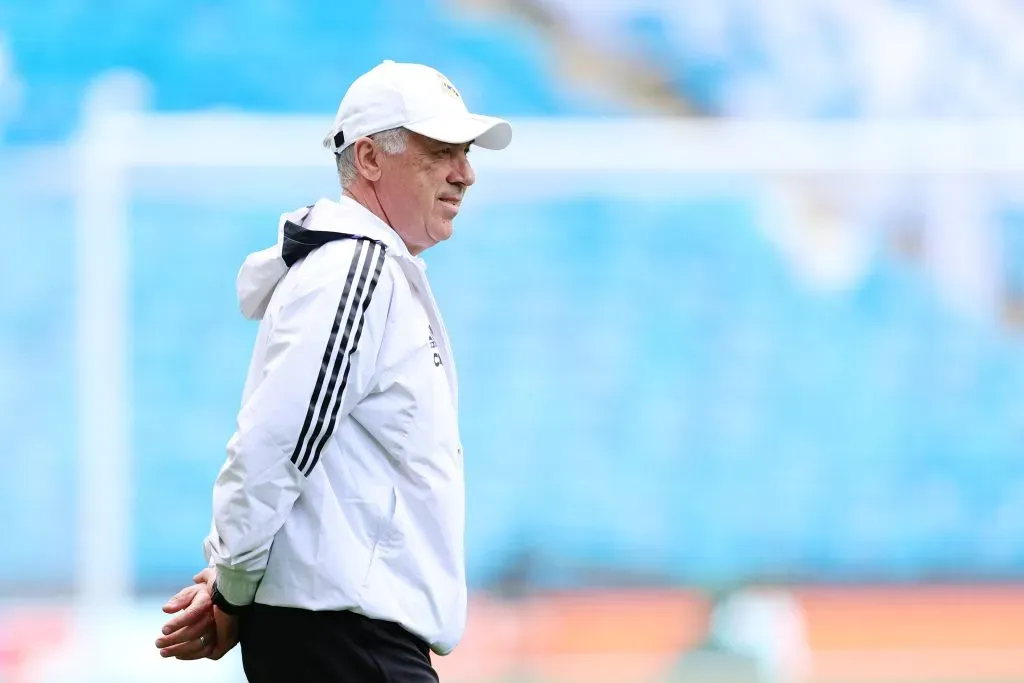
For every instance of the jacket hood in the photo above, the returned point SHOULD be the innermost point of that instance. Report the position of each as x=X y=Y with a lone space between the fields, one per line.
x=298 y=233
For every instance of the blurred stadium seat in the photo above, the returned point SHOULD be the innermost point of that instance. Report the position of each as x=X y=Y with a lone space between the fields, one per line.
x=284 y=57
x=815 y=57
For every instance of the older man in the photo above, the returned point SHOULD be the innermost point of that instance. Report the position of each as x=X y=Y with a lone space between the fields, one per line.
x=336 y=551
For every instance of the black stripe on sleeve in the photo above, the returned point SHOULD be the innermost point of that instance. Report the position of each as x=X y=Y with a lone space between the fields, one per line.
x=301 y=450
x=348 y=357
x=315 y=443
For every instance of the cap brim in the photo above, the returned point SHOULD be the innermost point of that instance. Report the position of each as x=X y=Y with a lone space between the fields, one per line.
x=486 y=131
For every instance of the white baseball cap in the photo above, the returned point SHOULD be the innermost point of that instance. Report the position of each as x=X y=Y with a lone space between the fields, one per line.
x=416 y=97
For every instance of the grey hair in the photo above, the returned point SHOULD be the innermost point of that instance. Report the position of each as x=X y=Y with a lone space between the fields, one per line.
x=391 y=141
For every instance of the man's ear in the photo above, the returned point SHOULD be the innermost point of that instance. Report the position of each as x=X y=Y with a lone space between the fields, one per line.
x=367 y=159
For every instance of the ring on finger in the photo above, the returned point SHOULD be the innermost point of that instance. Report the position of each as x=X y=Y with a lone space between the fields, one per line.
x=202 y=640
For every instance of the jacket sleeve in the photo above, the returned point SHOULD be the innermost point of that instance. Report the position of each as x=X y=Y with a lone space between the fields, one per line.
x=320 y=349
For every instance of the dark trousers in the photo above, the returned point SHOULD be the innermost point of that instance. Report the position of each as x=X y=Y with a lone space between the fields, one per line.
x=286 y=645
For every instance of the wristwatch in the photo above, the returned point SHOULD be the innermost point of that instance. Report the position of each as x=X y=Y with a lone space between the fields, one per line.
x=222 y=603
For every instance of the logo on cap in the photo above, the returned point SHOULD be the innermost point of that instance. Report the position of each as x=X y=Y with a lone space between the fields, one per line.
x=449 y=88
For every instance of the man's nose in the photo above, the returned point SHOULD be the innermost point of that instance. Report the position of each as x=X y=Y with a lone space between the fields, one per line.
x=462 y=173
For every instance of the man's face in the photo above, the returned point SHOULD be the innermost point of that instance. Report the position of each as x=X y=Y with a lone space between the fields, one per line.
x=422 y=188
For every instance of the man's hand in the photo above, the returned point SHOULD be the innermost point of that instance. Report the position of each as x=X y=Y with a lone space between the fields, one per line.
x=227 y=633
x=191 y=633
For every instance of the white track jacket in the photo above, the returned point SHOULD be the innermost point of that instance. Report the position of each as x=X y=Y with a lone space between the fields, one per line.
x=343 y=485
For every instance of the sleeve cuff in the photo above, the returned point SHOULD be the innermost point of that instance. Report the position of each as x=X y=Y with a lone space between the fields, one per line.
x=238 y=587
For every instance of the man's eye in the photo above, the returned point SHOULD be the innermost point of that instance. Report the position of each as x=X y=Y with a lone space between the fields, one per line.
x=447 y=151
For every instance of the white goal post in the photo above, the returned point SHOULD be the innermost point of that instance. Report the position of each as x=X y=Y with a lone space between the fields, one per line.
x=547 y=157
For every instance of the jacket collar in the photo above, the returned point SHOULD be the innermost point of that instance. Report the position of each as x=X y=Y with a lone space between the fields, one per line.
x=327 y=221
x=302 y=231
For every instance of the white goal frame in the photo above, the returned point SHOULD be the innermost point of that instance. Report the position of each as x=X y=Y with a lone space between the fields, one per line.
x=547 y=155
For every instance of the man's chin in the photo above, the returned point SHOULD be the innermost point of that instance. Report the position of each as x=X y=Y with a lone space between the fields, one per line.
x=442 y=232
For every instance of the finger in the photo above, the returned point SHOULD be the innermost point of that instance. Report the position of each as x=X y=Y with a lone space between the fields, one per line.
x=218 y=652
x=197 y=610
x=180 y=600
x=206 y=576
x=186 y=618
x=204 y=653
x=221 y=649
x=190 y=632
x=227 y=634
x=193 y=649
